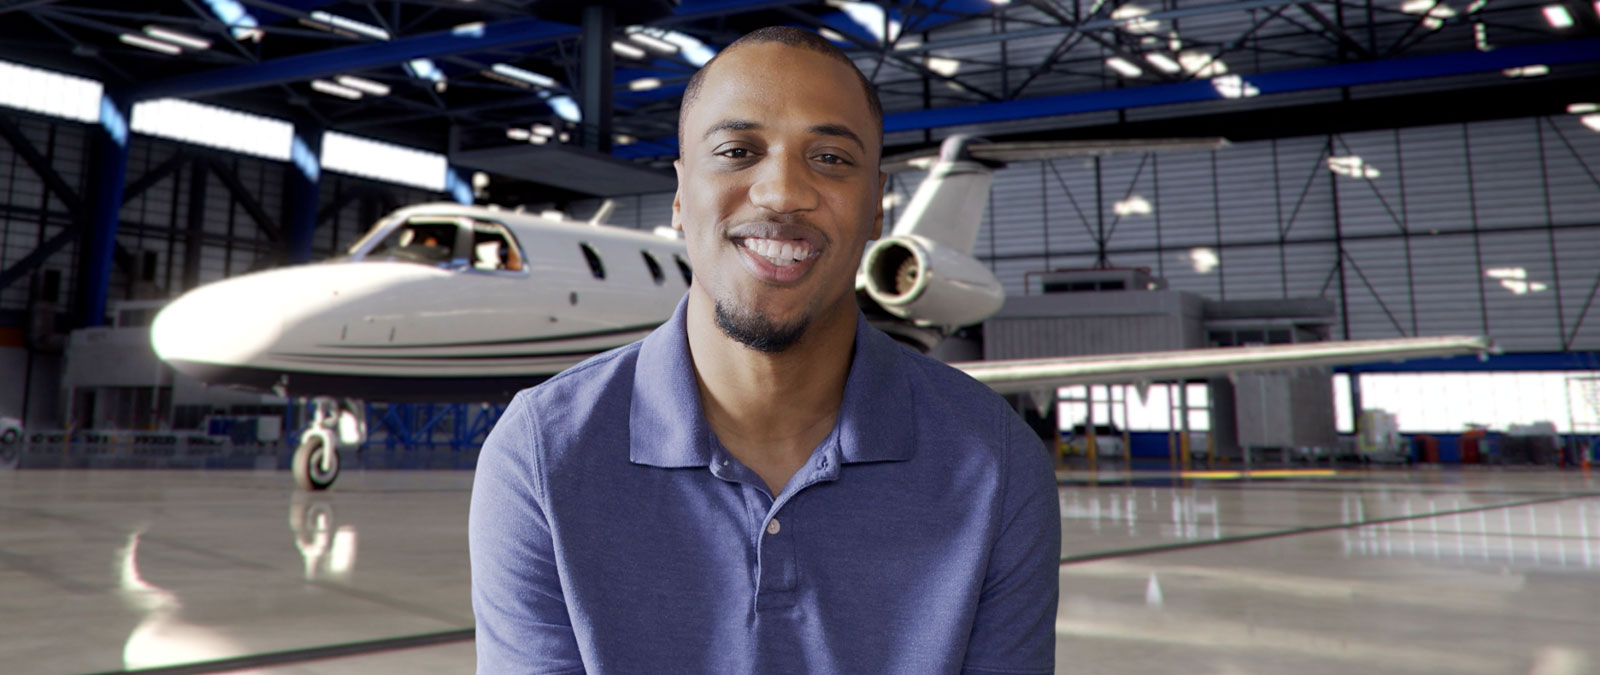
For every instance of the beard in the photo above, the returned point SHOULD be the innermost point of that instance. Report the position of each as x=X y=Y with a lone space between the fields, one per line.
x=758 y=331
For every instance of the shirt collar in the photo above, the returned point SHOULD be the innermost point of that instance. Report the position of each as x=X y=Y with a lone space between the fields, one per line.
x=667 y=426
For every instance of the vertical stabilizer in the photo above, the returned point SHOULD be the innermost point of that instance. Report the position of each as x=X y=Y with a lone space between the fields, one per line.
x=948 y=205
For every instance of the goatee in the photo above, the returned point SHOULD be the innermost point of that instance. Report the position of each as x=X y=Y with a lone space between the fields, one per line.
x=757 y=331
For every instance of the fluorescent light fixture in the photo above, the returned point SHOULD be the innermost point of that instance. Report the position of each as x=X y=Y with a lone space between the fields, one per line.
x=383 y=161
x=1538 y=70
x=832 y=35
x=425 y=69
x=1581 y=108
x=566 y=108
x=1201 y=64
x=350 y=25
x=1591 y=121
x=1506 y=273
x=644 y=84
x=238 y=19
x=544 y=130
x=517 y=134
x=49 y=93
x=1133 y=19
x=180 y=39
x=624 y=139
x=1203 y=259
x=527 y=76
x=944 y=66
x=153 y=45
x=1163 y=62
x=869 y=16
x=564 y=137
x=1001 y=2
x=332 y=89
x=692 y=49
x=474 y=29
x=1480 y=37
x=1557 y=16
x=652 y=42
x=627 y=50
x=216 y=127
x=363 y=85
x=1134 y=205
x=1353 y=166
x=1121 y=65
x=538 y=140
x=1233 y=86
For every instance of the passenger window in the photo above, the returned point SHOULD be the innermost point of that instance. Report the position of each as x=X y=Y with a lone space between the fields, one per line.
x=595 y=266
x=655 y=268
x=683 y=268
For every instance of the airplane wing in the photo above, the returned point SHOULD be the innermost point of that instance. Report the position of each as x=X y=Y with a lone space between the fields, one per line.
x=1036 y=375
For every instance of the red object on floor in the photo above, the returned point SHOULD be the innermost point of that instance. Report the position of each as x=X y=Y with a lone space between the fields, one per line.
x=1469 y=446
x=1428 y=448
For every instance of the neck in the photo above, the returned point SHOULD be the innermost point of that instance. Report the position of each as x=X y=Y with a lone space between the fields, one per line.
x=781 y=405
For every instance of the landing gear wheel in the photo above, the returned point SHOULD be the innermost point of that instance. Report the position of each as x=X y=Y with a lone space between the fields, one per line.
x=308 y=469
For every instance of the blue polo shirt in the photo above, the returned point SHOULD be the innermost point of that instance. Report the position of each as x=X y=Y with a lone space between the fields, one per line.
x=611 y=533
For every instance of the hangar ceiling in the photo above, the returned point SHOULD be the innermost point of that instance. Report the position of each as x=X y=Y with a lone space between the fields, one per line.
x=480 y=77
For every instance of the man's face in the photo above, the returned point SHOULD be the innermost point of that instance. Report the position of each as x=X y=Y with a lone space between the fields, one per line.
x=778 y=189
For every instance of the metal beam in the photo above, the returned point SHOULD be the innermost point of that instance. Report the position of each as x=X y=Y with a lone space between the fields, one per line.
x=41 y=166
x=152 y=176
x=598 y=71
x=110 y=178
x=1324 y=77
x=242 y=195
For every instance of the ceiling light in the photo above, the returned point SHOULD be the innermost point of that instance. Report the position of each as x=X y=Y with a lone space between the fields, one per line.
x=473 y=29
x=1133 y=19
x=626 y=50
x=566 y=108
x=652 y=42
x=564 y=137
x=644 y=84
x=339 y=90
x=544 y=130
x=538 y=140
x=1353 y=166
x=363 y=85
x=1001 y=2
x=943 y=66
x=177 y=38
x=1580 y=108
x=1558 y=16
x=1480 y=37
x=517 y=134
x=152 y=45
x=1233 y=86
x=624 y=139
x=1204 y=259
x=1164 y=62
x=1134 y=205
x=1538 y=70
x=1121 y=65
x=1592 y=121
x=350 y=25
x=1201 y=64
x=832 y=35
x=528 y=76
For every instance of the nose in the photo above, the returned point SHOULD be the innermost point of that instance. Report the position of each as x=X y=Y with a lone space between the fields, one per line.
x=227 y=323
x=783 y=185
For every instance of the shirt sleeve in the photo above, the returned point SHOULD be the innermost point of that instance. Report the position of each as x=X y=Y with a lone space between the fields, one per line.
x=523 y=626
x=1014 y=631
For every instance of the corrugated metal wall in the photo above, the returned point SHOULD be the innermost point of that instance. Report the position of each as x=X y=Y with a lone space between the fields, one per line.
x=1485 y=227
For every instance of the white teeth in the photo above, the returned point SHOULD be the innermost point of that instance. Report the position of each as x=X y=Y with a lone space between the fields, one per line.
x=787 y=253
x=780 y=253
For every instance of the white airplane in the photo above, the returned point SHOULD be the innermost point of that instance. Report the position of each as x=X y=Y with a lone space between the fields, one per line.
x=444 y=302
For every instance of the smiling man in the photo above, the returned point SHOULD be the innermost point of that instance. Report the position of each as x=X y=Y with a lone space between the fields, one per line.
x=766 y=483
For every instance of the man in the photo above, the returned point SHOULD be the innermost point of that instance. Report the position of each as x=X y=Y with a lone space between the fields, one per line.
x=766 y=483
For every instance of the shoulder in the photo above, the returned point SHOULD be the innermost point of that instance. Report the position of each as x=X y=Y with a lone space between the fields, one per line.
x=568 y=406
x=591 y=381
x=940 y=387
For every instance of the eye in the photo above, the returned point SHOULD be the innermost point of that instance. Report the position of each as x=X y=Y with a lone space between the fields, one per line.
x=735 y=153
x=830 y=158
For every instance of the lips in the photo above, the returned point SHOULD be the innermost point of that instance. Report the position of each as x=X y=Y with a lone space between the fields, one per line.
x=778 y=253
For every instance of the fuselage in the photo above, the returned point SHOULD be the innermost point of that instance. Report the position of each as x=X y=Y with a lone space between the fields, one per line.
x=438 y=302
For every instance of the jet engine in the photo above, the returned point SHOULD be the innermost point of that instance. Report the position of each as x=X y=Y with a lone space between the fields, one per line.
x=920 y=280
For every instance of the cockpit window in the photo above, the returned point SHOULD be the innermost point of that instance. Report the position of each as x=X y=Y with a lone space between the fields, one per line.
x=426 y=242
x=493 y=249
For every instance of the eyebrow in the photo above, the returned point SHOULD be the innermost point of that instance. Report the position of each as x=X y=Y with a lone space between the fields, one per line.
x=838 y=130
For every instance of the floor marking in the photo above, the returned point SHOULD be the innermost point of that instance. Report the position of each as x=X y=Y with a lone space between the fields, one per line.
x=1258 y=473
x=305 y=654
x=1311 y=529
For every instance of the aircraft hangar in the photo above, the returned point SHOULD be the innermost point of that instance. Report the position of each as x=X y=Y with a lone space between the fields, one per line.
x=1318 y=281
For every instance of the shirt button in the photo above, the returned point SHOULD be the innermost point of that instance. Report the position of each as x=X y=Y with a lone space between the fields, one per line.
x=773 y=527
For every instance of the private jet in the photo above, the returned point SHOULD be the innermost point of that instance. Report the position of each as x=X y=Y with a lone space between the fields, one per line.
x=445 y=302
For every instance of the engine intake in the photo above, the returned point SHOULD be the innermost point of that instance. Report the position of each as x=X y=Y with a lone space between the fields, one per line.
x=917 y=279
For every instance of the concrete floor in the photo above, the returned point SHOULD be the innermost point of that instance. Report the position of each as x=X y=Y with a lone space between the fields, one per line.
x=1423 y=571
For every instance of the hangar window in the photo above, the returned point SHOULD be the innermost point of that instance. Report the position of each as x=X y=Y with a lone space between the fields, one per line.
x=655 y=268
x=595 y=266
x=683 y=268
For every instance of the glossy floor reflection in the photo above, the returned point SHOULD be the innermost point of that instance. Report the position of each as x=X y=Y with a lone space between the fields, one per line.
x=1424 y=571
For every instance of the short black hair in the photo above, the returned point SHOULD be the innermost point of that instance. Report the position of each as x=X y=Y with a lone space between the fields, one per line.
x=793 y=37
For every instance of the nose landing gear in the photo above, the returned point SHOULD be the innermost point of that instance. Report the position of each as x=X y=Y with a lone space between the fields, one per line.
x=333 y=424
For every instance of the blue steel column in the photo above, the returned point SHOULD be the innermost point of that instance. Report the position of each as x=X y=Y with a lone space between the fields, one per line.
x=110 y=173
x=305 y=191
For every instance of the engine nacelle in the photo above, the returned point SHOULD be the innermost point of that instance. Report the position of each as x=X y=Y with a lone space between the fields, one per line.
x=917 y=279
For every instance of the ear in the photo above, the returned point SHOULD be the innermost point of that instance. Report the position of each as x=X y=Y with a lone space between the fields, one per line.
x=877 y=221
x=677 y=196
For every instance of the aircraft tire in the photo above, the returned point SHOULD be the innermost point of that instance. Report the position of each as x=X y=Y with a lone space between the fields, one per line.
x=307 y=465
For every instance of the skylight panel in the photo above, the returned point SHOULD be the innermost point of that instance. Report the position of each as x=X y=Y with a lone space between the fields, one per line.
x=48 y=93
x=214 y=127
x=383 y=161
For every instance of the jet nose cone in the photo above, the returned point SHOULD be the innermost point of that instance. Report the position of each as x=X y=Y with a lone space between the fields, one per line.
x=227 y=323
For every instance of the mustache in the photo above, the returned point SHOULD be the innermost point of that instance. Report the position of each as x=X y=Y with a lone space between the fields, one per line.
x=781 y=227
